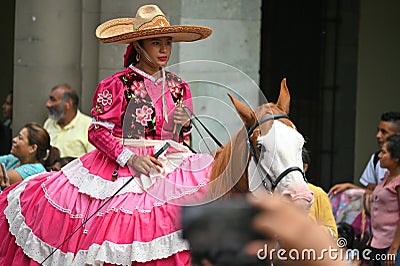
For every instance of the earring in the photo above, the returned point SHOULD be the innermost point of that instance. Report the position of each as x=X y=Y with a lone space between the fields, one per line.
x=137 y=57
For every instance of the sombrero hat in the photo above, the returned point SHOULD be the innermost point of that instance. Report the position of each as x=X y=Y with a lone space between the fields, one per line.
x=150 y=22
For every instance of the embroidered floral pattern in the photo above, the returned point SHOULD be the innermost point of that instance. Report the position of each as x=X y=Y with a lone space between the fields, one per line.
x=175 y=86
x=99 y=108
x=104 y=98
x=140 y=115
x=138 y=89
x=143 y=115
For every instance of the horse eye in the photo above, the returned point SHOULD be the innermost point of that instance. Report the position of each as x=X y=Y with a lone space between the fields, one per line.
x=260 y=147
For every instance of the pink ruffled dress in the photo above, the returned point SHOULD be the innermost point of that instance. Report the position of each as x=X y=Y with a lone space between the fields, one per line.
x=141 y=224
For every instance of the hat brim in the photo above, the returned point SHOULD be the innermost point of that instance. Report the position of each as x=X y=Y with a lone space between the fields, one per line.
x=121 y=30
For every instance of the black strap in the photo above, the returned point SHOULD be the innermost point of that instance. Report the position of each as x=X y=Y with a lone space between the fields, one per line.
x=268 y=118
x=204 y=127
x=184 y=142
x=284 y=173
x=376 y=158
x=375 y=161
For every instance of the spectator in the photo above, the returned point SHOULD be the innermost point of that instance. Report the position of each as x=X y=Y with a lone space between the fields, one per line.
x=30 y=154
x=385 y=202
x=8 y=110
x=60 y=163
x=373 y=172
x=6 y=126
x=321 y=209
x=67 y=126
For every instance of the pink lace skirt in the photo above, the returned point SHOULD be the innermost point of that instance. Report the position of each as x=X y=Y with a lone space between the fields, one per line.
x=139 y=225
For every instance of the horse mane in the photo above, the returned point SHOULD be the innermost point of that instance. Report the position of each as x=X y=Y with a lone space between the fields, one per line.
x=229 y=172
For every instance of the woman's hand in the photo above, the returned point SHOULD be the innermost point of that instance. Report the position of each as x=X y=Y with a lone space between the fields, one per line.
x=144 y=163
x=180 y=117
x=4 y=184
x=336 y=189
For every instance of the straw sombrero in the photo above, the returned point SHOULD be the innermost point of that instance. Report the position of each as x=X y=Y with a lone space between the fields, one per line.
x=150 y=22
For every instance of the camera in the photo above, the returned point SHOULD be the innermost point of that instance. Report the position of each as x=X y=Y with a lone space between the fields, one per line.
x=218 y=231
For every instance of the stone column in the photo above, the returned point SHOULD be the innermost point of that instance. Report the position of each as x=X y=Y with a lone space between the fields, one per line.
x=48 y=51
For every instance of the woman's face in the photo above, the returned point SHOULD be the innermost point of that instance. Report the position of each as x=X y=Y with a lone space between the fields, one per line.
x=159 y=49
x=386 y=158
x=20 y=145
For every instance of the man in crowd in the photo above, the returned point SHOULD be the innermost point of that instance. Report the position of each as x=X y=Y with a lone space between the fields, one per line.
x=67 y=126
x=373 y=173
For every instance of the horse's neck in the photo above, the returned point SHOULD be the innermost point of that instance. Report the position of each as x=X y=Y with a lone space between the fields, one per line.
x=230 y=167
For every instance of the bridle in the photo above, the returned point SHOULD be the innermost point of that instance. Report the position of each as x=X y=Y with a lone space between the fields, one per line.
x=260 y=168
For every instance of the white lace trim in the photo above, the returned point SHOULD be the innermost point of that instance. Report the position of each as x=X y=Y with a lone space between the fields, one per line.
x=32 y=246
x=124 y=156
x=105 y=124
x=96 y=186
x=144 y=74
x=58 y=207
x=109 y=252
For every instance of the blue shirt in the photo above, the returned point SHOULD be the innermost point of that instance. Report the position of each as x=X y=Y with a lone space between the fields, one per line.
x=25 y=170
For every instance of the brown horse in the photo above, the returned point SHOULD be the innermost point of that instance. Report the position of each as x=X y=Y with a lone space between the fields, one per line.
x=270 y=144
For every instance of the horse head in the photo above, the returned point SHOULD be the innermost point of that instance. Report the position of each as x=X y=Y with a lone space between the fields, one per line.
x=270 y=141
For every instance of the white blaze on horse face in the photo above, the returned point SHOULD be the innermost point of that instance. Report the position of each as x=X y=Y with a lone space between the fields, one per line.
x=282 y=149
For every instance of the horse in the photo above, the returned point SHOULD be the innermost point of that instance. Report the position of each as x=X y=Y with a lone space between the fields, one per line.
x=265 y=151
x=270 y=145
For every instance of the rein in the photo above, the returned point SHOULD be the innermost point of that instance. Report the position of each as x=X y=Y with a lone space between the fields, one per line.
x=260 y=168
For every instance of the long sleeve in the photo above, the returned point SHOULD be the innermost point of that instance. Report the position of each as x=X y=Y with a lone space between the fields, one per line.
x=105 y=142
x=109 y=107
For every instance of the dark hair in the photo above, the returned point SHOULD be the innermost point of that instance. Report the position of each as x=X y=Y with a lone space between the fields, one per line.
x=68 y=93
x=45 y=153
x=305 y=156
x=346 y=231
x=393 y=117
x=62 y=161
x=11 y=94
x=130 y=54
x=393 y=147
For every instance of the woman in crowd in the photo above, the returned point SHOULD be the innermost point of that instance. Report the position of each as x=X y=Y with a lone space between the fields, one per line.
x=80 y=215
x=385 y=213
x=6 y=125
x=30 y=154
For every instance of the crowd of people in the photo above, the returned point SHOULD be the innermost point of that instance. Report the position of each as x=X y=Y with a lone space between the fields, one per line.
x=75 y=172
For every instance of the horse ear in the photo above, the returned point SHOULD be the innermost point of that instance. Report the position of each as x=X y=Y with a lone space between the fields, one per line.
x=284 y=97
x=246 y=114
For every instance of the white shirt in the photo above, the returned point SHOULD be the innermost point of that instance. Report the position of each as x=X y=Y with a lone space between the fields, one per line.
x=372 y=174
x=71 y=140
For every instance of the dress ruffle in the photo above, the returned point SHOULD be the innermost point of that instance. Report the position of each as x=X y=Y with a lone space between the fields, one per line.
x=136 y=225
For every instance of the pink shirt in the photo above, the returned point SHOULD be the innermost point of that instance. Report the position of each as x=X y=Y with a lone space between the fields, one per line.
x=385 y=213
x=113 y=113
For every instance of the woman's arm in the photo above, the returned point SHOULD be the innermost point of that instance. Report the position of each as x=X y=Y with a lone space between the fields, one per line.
x=13 y=177
x=396 y=241
x=342 y=187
